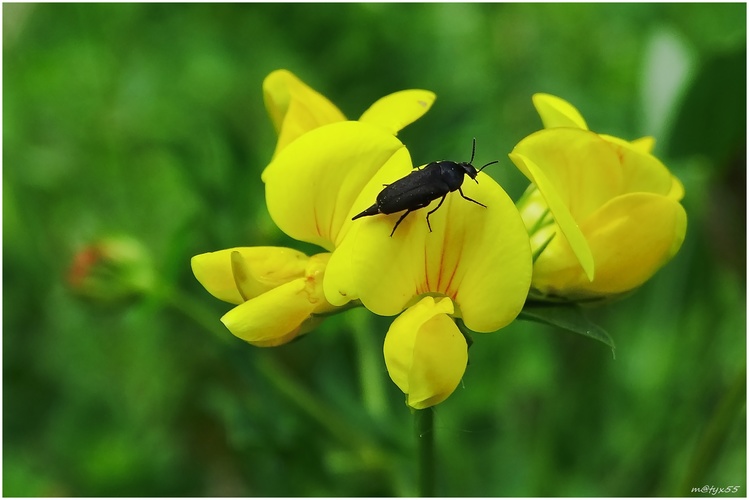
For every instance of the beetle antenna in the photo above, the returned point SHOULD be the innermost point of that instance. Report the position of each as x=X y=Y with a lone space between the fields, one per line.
x=490 y=163
x=473 y=151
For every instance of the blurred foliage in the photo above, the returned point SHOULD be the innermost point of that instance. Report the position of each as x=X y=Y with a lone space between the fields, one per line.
x=147 y=120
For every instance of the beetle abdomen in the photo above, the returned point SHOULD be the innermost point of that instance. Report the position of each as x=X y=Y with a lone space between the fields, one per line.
x=373 y=210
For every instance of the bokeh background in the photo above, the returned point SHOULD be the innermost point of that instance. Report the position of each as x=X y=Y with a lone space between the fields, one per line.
x=147 y=122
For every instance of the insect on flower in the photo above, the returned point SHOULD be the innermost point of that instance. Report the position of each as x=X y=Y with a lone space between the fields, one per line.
x=422 y=186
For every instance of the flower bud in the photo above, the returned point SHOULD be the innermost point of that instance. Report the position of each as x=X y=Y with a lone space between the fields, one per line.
x=111 y=269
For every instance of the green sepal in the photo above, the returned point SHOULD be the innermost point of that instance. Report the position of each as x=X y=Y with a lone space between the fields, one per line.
x=466 y=334
x=567 y=316
x=465 y=331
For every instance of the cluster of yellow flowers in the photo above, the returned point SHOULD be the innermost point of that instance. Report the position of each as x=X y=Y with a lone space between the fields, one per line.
x=600 y=217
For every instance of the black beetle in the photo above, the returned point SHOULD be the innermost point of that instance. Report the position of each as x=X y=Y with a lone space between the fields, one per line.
x=422 y=186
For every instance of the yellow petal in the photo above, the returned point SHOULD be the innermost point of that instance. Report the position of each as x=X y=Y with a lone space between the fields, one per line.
x=480 y=257
x=556 y=112
x=315 y=276
x=242 y=276
x=644 y=144
x=584 y=169
x=311 y=185
x=340 y=286
x=395 y=111
x=272 y=318
x=562 y=215
x=641 y=171
x=425 y=353
x=262 y=268
x=676 y=192
x=295 y=108
x=631 y=237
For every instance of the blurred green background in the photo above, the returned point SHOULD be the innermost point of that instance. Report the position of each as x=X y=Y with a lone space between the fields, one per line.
x=148 y=121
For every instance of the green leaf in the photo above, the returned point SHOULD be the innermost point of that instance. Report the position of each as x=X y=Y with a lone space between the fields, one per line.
x=567 y=316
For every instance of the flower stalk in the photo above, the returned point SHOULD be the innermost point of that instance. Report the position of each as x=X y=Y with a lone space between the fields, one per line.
x=424 y=432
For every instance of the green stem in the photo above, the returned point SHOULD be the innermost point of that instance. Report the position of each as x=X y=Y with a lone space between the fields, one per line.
x=370 y=454
x=424 y=420
x=286 y=384
x=369 y=354
x=196 y=311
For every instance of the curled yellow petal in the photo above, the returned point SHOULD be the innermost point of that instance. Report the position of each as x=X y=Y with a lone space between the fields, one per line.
x=311 y=185
x=254 y=270
x=630 y=237
x=280 y=314
x=561 y=213
x=242 y=276
x=425 y=353
x=272 y=318
x=295 y=108
x=395 y=111
x=556 y=112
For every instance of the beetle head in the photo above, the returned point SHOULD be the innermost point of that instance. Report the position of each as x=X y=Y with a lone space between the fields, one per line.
x=469 y=169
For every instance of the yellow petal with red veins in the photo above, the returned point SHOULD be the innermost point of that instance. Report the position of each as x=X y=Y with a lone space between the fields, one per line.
x=272 y=318
x=295 y=108
x=262 y=268
x=312 y=184
x=556 y=112
x=480 y=257
x=395 y=111
x=425 y=353
x=631 y=237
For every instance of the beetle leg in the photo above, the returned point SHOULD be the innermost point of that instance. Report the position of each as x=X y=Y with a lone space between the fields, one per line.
x=399 y=221
x=469 y=199
x=432 y=211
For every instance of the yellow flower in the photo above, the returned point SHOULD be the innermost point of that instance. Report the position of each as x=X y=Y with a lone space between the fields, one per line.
x=316 y=174
x=474 y=265
x=603 y=213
